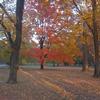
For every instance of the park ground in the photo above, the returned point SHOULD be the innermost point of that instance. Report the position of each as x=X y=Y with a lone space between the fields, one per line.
x=68 y=83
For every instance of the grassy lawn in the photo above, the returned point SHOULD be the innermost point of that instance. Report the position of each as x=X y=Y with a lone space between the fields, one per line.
x=50 y=84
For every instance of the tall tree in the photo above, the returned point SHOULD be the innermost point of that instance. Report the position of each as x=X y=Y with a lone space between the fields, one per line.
x=85 y=49
x=15 y=44
x=93 y=27
x=14 y=59
x=96 y=38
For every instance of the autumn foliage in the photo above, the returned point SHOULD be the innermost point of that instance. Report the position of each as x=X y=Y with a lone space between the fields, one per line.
x=46 y=55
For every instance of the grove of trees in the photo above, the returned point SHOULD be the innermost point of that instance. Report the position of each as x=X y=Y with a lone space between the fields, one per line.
x=57 y=31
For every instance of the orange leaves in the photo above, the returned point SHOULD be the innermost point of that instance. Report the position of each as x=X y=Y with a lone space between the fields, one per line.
x=39 y=30
x=58 y=56
x=53 y=19
x=48 y=55
x=53 y=39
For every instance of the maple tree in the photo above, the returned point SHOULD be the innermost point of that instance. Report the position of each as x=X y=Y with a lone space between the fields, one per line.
x=51 y=26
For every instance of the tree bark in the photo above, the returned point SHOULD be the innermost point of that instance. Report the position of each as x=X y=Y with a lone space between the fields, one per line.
x=85 y=58
x=41 y=42
x=42 y=67
x=85 y=48
x=96 y=40
x=14 y=59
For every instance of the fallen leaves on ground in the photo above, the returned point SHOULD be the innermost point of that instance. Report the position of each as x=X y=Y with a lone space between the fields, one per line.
x=50 y=84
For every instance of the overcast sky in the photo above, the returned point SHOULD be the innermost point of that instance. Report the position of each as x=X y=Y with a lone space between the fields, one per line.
x=1 y=1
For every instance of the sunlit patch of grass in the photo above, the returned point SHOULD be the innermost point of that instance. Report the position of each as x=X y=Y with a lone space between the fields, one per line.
x=34 y=80
x=57 y=88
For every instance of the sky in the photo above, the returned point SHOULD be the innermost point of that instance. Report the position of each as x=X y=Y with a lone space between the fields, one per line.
x=1 y=1
x=34 y=38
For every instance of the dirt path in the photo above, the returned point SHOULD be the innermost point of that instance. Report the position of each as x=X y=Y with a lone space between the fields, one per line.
x=54 y=84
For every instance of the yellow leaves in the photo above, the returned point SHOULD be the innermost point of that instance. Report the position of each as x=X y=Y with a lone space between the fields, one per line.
x=83 y=40
x=63 y=1
x=87 y=15
x=46 y=0
x=77 y=28
x=9 y=25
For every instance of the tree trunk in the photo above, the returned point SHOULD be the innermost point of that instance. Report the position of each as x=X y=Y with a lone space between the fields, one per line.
x=96 y=39
x=41 y=42
x=85 y=58
x=42 y=66
x=97 y=66
x=15 y=46
x=14 y=58
x=85 y=48
x=57 y=64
